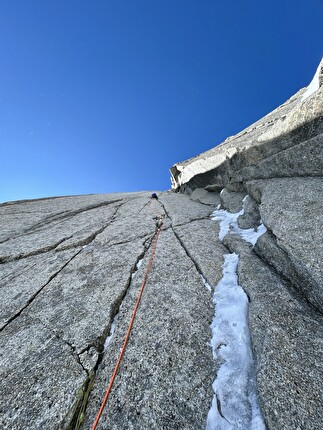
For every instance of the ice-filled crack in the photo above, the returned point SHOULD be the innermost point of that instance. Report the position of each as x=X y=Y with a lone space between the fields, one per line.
x=235 y=384
x=108 y=340
x=205 y=283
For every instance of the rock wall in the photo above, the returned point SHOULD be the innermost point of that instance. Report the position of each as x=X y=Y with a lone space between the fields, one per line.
x=70 y=272
x=277 y=163
x=71 y=269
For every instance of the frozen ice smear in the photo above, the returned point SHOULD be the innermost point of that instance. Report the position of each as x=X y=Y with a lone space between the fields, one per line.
x=137 y=268
x=229 y=224
x=112 y=329
x=227 y=219
x=235 y=404
x=207 y=286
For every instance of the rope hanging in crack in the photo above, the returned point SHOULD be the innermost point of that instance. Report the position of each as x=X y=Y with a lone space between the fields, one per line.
x=105 y=399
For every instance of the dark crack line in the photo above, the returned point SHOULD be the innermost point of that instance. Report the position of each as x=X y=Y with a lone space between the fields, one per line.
x=100 y=344
x=33 y=297
x=196 y=265
x=219 y=407
x=205 y=204
x=61 y=216
x=194 y=219
x=65 y=341
x=92 y=237
x=115 y=307
x=48 y=248
x=128 y=241
x=4 y=241
x=82 y=242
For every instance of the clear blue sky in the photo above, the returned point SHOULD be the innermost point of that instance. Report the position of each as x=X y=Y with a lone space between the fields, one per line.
x=105 y=95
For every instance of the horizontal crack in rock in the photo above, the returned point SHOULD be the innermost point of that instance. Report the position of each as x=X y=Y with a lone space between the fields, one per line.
x=35 y=252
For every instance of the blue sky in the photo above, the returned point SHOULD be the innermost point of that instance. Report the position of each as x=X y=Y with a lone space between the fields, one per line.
x=104 y=96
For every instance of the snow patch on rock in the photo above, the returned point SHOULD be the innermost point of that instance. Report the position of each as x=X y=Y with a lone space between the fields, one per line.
x=229 y=224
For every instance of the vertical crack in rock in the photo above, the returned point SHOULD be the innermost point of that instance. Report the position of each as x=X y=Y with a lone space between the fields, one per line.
x=32 y=298
x=196 y=265
x=231 y=342
x=75 y=419
x=77 y=412
x=220 y=413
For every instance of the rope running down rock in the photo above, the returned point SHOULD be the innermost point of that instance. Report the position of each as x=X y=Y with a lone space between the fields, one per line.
x=105 y=399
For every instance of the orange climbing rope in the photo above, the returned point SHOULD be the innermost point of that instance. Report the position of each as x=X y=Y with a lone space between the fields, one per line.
x=105 y=399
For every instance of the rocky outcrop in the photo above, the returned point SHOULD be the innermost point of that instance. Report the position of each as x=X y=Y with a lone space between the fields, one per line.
x=285 y=143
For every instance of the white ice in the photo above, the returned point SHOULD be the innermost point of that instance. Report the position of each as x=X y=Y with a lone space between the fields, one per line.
x=229 y=224
x=314 y=85
x=207 y=286
x=235 y=404
x=112 y=329
x=137 y=268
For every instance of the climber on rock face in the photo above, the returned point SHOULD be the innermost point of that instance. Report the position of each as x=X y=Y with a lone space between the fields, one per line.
x=154 y=196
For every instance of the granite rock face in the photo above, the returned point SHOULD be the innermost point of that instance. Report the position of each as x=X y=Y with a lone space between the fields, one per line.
x=68 y=277
x=277 y=164
x=71 y=269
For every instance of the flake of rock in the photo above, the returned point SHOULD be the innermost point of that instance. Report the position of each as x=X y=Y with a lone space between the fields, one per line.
x=89 y=358
x=296 y=224
x=203 y=196
x=231 y=201
x=251 y=214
